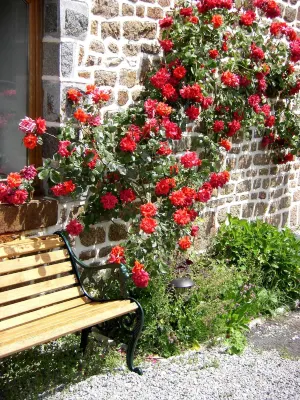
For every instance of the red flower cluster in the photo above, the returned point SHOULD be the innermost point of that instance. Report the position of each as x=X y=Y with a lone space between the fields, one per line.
x=14 y=180
x=127 y=144
x=117 y=255
x=172 y=130
x=179 y=72
x=226 y=144
x=270 y=7
x=167 y=45
x=74 y=95
x=74 y=227
x=186 y=12
x=100 y=96
x=139 y=276
x=182 y=216
x=206 y=5
x=230 y=79
x=92 y=164
x=295 y=50
x=150 y=107
x=127 y=195
x=204 y=193
x=217 y=21
x=63 y=189
x=192 y=112
x=219 y=179
x=12 y=196
x=256 y=52
x=248 y=18
x=213 y=53
x=190 y=159
x=166 y=22
x=164 y=149
x=169 y=92
x=80 y=115
x=184 y=242
x=192 y=92
x=63 y=150
x=108 y=201
x=148 y=225
x=218 y=126
x=163 y=109
x=233 y=127
x=183 y=197
x=161 y=77
x=194 y=230
x=32 y=128
x=148 y=210
x=164 y=186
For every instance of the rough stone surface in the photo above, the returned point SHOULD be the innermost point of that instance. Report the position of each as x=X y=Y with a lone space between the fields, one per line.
x=51 y=20
x=117 y=232
x=140 y=11
x=80 y=55
x=94 y=28
x=51 y=59
x=76 y=24
x=34 y=215
x=50 y=143
x=93 y=236
x=150 y=48
x=113 y=47
x=134 y=30
x=244 y=186
x=106 y=8
x=247 y=210
x=67 y=59
x=260 y=209
x=105 y=78
x=97 y=46
x=110 y=29
x=154 y=12
x=104 y=251
x=130 y=49
x=290 y=14
x=127 y=9
x=128 y=78
x=86 y=255
x=122 y=97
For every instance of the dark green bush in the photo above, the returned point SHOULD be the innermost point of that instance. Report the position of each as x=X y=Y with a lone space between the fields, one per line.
x=271 y=257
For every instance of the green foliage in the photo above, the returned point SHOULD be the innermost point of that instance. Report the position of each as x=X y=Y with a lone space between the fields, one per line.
x=271 y=257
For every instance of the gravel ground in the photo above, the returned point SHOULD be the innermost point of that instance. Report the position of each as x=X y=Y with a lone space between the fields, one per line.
x=209 y=374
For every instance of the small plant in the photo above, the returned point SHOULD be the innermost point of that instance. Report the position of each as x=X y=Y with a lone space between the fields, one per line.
x=271 y=257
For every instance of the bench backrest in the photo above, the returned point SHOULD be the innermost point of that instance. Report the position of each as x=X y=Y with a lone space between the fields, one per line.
x=36 y=280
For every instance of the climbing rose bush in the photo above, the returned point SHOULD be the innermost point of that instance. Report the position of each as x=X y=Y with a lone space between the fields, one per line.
x=221 y=70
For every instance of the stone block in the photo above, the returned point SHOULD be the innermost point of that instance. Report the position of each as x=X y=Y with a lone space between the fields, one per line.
x=135 y=30
x=284 y=219
x=122 y=97
x=104 y=251
x=261 y=159
x=150 y=48
x=256 y=183
x=51 y=59
x=245 y=161
x=33 y=215
x=254 y=196
x=128 y=78
x=264 y=171
x=113 y=47
x=277 y=193
x=285 y=202
x=140 y=11
x=91 y=60
x=86 y=255
x=84 y=74
x=221 y=215
x=94 y=28
x=262 y=195
x=164 y=3
x=235 y=211
x=67 y=59
x=231 y=163
x=105 y=78
x=251 y=173
x=76 y=23
x=260 y=209
x=80 y=55
x=51 y=103
x=274 y=207
x=247 y=210
x=92 y=237
x=113 y=61
x=253 y=146
x=50 y=143
x=131 y=49
x=106 y=8
x=110 y=29
x=244 y=186
x=294 y=216
x=97 y=46
x=51 y=19
x=127 y=9
x=290 y=14
x=136 y=95
x=274 y=220
x=155 y=12
x=235 y=176
x=296 y=196
x=206 y=231
x=117 y=232
x=276 y=181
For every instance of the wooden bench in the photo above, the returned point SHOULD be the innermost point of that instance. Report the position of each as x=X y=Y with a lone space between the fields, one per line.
x=42 y=298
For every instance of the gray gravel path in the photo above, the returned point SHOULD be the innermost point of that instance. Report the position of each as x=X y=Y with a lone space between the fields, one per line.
x=257 y=374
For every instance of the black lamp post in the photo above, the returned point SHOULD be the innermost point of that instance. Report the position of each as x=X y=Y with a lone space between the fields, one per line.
x=182 y=286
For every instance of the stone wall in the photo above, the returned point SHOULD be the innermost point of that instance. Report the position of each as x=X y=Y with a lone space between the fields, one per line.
x=111 y=43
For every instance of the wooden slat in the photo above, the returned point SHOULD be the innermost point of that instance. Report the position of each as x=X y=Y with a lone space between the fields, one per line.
x=30 y=245
x=18 y=264
x=11 y=342
x=42 y=313
x=37 y=273
x=30 y=290
x=41 y=301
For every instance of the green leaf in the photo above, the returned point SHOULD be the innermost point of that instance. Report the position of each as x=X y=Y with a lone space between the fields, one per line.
x=44 y=174
x=55 y=176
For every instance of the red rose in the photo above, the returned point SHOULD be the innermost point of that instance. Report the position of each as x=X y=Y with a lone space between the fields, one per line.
x=178 y=198
x=148 y=210
x=117 y=255
x=100 y=96
x=270 y=121
x=30 y=141
x=163 y=109
x=40 y=126
x=247 y=18
x=74 y=227
x=218 y=126
x=160 y=78
x=233 y=127
x=108 y=201
x=14 y=180
x=213 y=53
x=127 y=144
x=172 y=130
x=141 y=278
x=80 y=115
x=204 y=193
x=182 y=216
x=127 y=195
x=190 y=159
x=193 y=19
x=184 y=243
x=179 y=72
x=63 y=148
x=18 y=196
x=167 y=45
x=230 y=79
x=194 y=230
x=256 y=52
x=186 y=12
x=226 y=144
x=169 y=92
x=164 y=186
x=164 y=149
x=148 y=225
x=166 y=22
x=192 y=112
x=217 y=20
x=74 y=95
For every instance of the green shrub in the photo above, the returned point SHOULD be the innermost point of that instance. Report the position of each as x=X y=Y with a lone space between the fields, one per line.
x=271 y=257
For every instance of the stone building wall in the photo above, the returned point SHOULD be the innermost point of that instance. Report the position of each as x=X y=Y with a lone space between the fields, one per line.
x=111 y=42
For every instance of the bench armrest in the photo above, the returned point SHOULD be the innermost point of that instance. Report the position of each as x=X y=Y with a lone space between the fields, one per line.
x=76 y=261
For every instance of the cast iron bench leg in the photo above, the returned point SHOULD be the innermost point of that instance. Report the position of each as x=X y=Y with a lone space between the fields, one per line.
x=84 y=338
x=136 y=332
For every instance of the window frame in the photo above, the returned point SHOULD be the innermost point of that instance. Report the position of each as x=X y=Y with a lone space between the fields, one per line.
x=35 y=98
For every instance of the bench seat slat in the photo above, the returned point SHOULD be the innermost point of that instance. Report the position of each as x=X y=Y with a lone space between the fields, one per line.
x=18 y=264
x=42 y=313
x=41 y=301
x=30 y=290
x=51 y=328
x=36 y=273
x=30 y=245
